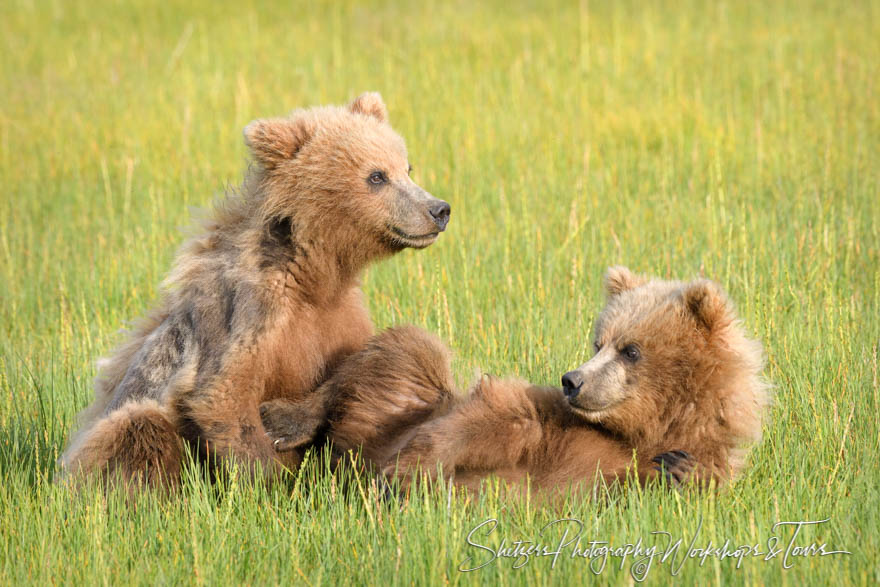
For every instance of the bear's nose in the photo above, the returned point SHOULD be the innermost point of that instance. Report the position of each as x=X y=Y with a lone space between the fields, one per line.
x=440 y=213
x=571 y=384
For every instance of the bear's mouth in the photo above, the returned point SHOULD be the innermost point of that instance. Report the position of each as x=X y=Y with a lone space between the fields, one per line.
x=590 y=414
x=416 y=241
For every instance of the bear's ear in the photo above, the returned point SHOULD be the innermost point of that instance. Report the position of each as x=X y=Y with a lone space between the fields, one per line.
x=619 y=279
x=371 y=104
x=707 y=303
x=274 y=140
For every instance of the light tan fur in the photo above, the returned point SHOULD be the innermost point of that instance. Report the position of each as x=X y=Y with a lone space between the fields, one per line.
x=266 y=301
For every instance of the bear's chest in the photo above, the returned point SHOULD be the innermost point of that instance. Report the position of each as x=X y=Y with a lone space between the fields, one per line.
x=307 y=344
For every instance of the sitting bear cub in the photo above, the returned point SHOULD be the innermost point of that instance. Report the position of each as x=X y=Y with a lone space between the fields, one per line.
x=673 y=371
x=264 y=303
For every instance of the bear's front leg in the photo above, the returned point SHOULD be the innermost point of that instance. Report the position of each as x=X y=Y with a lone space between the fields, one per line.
x=293 y=424
x=223 y=424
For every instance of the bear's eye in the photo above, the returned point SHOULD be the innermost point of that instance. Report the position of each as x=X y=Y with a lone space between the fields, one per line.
x=409 y=170
x=598 y=346
x=377 y=178
x=631 y=353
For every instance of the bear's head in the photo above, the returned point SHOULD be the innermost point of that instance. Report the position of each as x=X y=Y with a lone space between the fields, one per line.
x=673 y=369
x=343 y=174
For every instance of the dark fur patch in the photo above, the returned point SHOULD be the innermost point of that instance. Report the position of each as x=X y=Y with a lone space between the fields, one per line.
x=188 y=428
x=191 y=433
x=178 y=338
x=153 y=365
x=280 y=231
x=229 y=307
x=278 y=246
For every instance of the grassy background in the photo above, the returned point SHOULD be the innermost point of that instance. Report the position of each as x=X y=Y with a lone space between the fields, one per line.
x=737 y=140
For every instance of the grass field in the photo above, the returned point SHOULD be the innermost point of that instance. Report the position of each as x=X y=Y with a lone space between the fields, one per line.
x=737 y=140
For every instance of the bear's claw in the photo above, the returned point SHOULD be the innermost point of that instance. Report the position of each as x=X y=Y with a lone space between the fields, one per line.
x=674 y=465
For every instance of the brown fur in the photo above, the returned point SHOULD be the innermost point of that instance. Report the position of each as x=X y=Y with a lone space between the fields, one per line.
x=696 y=386
x=267 y=300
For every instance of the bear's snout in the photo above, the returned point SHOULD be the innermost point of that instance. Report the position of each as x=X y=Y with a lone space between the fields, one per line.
x=439 y=211
x=571 y=384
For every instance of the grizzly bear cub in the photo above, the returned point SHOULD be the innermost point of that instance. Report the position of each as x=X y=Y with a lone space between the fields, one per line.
x=673 y=371
x=266 y=302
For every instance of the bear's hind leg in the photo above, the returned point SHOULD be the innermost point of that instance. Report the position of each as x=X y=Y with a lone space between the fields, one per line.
x=493 y=429
x=401 y=379
x=136 y=444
